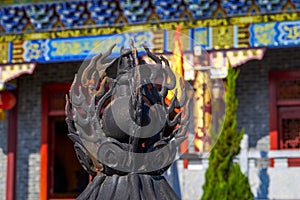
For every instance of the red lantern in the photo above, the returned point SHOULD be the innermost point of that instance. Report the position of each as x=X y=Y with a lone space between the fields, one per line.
x=7 y=100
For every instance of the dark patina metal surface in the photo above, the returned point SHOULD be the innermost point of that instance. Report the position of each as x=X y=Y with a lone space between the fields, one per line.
x=125 y=131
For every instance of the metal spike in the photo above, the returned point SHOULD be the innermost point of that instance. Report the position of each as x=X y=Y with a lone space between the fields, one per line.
x=102 y=66
x=151 y=55
x=183 y=97
x=172 y=103
x=175 y=120
x=171 y=85
x=86 y=71
x=182 y=131
x=68 y=108
x=163 y=92
x=77 y=100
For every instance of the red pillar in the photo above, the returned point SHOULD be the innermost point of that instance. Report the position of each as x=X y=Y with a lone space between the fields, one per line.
x=11 y=154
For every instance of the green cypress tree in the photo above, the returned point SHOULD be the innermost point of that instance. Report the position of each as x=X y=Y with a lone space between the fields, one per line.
x=223 y=178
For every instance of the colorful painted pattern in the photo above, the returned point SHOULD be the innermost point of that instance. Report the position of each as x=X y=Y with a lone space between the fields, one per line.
x=71 y=45
x=202 y=112
x=275 y=34
x=257 y=30
x=60 y=15
x=80 y=48
x=4 y=52
x=9 y=72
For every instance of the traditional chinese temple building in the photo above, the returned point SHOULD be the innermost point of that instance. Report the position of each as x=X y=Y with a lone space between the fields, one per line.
x=42 y=45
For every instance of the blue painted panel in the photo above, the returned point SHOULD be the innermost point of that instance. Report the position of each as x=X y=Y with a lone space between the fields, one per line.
x=201 y=37
x=275 y=34
x=263 y=34
x=80 y=48
x=289 y=33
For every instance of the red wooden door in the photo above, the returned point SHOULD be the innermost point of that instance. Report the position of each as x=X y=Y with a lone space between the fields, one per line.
x=289 y=127
x=289 y=131
x=285 y=111
x=62 y=177
x=67 y=177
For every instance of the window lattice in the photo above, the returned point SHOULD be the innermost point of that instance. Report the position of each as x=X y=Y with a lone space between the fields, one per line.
x=291 y=133
x=288 y=89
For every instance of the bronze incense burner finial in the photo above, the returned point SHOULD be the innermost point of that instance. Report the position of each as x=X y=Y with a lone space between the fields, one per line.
x=125 y=130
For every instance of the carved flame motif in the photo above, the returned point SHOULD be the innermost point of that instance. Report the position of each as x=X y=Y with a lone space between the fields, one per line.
x=118 y=115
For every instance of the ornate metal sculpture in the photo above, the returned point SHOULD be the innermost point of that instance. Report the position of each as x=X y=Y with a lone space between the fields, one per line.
x=125 y=132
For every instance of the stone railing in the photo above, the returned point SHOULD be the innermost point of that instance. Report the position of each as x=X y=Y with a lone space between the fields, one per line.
x=276 y=181
x=251 y=157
